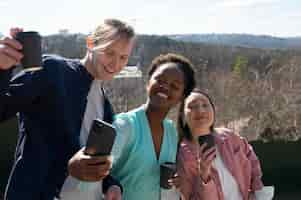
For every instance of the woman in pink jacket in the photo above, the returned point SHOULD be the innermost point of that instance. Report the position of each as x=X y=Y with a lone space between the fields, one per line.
x=229 y=170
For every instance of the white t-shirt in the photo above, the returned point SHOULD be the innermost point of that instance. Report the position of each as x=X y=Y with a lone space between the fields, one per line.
x=71 y=189
x=229 y=185
x=94 y=109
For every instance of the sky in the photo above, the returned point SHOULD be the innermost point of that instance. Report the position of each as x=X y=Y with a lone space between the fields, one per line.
x=279 y=18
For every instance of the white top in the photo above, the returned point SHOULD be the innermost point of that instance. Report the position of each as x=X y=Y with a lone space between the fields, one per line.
x=229 y=185
x=71 y=189
x=94 y=109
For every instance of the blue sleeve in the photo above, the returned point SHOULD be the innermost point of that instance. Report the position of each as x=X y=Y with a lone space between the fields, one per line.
x=173 y=140
x=4 y=79
x=123 y=128
x=174 y=130
x=4 y=85
x=124 y=137
x=18 y=93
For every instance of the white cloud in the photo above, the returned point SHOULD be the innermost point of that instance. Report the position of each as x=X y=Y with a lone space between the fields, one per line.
x=4 y=3
x=244 y=3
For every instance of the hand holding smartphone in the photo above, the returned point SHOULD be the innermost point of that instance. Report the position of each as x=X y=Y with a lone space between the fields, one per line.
x=101 y=138
x=208 y=139
x=32 y=49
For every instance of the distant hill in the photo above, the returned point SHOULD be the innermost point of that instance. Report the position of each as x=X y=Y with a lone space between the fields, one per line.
x=242 y=40
x=211 y=56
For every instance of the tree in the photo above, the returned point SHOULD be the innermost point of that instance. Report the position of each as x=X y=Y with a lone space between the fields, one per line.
x=240 y=66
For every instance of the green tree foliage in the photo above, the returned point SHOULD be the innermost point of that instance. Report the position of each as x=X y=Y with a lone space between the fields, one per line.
x=240 y=66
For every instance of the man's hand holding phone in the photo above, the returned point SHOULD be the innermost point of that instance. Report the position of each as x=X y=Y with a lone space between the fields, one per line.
x=89 y=168
x=94 y=162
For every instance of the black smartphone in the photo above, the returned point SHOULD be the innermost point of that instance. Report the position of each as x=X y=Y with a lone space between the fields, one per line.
x=32 y=49
x=208 y=139
x=101 y=138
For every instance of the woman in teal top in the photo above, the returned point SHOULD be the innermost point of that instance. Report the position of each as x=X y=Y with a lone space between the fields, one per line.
x=145 y=138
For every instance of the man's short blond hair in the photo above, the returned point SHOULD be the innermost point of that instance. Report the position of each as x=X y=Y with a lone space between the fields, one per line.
x=111 y=30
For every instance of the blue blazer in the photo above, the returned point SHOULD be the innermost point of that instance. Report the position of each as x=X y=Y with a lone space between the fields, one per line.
x=50 y=103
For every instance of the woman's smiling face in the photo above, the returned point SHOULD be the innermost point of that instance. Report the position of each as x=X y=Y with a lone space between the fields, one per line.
x=199 y=113
x=165 y=87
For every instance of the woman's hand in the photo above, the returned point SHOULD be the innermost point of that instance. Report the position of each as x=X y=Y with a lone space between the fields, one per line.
x=175 y=181
x=205 y=159
x=113 y=193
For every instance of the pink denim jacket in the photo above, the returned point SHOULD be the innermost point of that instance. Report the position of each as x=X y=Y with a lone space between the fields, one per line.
x=237 y=155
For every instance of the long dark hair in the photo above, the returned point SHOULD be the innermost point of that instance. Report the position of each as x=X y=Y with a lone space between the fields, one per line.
x=183 y=128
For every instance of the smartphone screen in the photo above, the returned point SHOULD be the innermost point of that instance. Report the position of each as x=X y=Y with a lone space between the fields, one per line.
x=208 y=139
x=101 y=138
